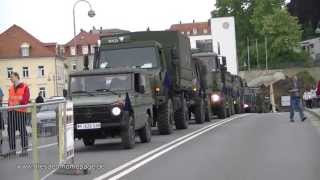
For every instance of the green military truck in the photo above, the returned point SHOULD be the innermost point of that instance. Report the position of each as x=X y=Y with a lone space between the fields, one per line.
x=218 y=83
x=167 y=55
x=237 y=94
x=111 y=103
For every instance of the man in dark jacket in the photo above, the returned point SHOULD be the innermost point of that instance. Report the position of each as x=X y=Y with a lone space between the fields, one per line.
x=295 y=100
x=39 y=99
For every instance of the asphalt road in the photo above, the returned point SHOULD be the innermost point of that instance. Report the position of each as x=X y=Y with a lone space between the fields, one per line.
x=249 y=147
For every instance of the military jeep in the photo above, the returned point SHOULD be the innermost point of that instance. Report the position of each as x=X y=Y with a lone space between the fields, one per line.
x=111 y=103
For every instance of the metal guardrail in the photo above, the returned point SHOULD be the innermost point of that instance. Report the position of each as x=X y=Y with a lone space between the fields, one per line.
x=40 y=135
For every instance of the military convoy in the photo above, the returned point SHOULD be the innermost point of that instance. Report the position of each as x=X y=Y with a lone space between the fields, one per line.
x=145 y=79
x=167 y=56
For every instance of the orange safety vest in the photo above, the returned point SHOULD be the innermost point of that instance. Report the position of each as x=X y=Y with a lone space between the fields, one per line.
x=15 y=97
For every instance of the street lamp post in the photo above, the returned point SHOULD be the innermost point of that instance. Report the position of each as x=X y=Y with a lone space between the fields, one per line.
x=91 y=14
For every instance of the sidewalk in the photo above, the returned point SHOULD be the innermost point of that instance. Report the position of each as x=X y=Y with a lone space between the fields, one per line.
x=315 y=112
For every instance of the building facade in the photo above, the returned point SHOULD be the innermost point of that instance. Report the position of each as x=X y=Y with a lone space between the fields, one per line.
x=312 y=46
x=199 y=34
x=40 y=65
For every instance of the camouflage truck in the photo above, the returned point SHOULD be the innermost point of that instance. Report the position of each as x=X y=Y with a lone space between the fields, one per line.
x=167 y=56
x=111 y=103
x=219 y=84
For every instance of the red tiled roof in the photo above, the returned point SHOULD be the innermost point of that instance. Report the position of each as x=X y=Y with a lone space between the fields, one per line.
x=12 y=39
x=188 y=27
x=84 y=38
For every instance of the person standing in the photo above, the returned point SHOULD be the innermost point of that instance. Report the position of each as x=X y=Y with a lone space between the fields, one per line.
x=1 y=121
x=39 y=99
x=295 y=100
x=17 y=117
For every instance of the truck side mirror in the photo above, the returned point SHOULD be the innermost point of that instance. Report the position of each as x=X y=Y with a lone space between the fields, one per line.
x=174 y=53
x=86 y=62
x=65 y=93
x=141 y=89
x=224 y=61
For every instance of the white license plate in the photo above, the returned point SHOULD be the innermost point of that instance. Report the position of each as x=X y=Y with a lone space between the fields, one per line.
x=89 y=126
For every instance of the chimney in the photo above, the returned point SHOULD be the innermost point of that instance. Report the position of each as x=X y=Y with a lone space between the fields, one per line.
x=180 y=22
x=193 y=21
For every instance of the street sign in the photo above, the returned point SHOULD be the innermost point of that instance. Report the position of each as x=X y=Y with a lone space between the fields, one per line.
x=285 y=101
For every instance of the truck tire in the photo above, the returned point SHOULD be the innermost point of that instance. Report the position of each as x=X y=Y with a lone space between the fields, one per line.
x=145 y=132
x=199 y=112
x=128 y=132
x=165 y=118
x=88 y=141
x=222 y=113
x=181 y=116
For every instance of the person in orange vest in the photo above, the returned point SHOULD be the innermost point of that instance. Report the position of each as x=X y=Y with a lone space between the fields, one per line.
x=17 y=117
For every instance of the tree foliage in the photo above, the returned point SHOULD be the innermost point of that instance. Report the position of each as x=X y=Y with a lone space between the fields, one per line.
x=257 y=19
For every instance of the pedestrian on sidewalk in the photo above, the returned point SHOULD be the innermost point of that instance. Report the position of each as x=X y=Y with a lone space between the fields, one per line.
x=17 y=117
x=295 y=100
x=307 y=97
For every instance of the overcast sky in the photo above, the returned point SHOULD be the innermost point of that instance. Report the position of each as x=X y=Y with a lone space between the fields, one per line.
x=51 y=20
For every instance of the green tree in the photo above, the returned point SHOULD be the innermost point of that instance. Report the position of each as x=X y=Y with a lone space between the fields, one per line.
x=284 y=34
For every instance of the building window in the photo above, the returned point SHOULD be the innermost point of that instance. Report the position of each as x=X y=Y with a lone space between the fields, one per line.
x=205 y=31
x=25 y=72
x=40 y=71
x=72 y=51
x=42 y=91
x=182 y=32
x=188 y=32
x=9 y=71
x=204 y=45
x=92 y=49
x=85 y=49
x=25 y=49
x=195 y=31
x=74 y=67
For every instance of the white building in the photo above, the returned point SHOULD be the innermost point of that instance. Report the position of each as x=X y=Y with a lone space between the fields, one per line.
x=313 y=47
x=216 y=35
x=224 y=35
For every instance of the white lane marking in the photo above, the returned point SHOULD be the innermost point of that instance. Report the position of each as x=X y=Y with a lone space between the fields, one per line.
x=40 y=147
x=147 y=160
x=122 y=167
x=49 y=174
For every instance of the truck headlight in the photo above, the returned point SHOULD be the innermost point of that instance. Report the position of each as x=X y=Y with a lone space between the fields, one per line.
x=245 y=105
x=215 y=98
x=116 y=111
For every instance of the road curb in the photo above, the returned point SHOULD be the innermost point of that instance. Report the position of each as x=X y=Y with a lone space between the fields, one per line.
x=313 y=113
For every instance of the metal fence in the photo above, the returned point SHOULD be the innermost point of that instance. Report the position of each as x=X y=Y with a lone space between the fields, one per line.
x=36 y=139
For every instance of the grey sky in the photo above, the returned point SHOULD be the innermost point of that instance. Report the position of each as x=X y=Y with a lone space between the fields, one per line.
x=51 y=20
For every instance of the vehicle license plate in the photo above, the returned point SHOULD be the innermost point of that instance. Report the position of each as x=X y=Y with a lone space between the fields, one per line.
x=89 y=126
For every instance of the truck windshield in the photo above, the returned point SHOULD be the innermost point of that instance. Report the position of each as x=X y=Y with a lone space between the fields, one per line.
x=96 y=83
x=132 y=57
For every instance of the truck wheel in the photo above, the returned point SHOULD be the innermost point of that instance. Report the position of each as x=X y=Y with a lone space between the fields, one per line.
x=165 y=118
x=88 y=141
x=145 y=132
x=181 y=116
x=222 y=114
x=128 y=132
x=199 y=112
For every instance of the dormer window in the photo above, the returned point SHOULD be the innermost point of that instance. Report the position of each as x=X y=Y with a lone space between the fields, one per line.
x=25 y=49
x=195 y=31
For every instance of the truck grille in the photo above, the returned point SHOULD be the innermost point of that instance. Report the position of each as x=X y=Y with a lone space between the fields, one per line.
x=92 y=114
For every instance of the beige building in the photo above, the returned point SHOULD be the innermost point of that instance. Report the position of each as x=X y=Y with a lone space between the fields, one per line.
x=40 y=65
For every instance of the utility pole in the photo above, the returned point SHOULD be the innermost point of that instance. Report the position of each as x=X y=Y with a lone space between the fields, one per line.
x=257 y=50
x=249 y=69
x=266 y=48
